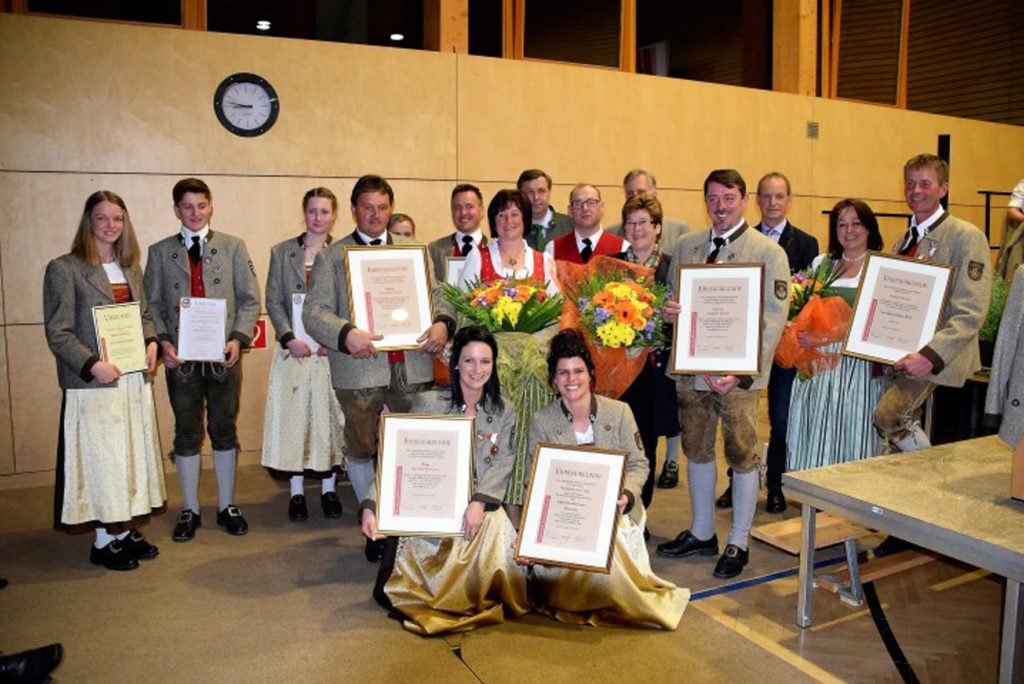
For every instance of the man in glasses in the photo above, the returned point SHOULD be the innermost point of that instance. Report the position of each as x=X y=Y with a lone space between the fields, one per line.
x=587 y=238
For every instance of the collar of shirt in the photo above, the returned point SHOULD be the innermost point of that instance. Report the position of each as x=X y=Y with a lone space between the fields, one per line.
x=594 y=239
x=546 y=221
x=925 y=225
x=568 y=414
x=202 y=235
x=477 y=236
x=727 y=234
x=383 y=237
x=651 y=261
x=776 y=232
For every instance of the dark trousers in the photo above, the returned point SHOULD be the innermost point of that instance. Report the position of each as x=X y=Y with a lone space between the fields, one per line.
x=780 y=387
x=194 y=386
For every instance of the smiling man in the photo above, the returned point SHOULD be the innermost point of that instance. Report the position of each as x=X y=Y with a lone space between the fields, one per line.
x=706 y=400
x=467 y=204
x=587 y=239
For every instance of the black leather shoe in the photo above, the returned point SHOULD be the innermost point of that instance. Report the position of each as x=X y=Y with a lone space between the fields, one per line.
x=137 y=545
x=775 y=502
x=732 y=562
x=725 y=501
x=330 y=504
x=375 y=549
x=890 y=546
x=297 y=510
x=687 y=545
x=232 y=520
x=31 y=666
x=3 y=583
x=669 y=475
x=188 y=523
x=113 y=556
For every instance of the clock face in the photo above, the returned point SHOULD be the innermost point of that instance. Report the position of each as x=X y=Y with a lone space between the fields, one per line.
x=246 y=104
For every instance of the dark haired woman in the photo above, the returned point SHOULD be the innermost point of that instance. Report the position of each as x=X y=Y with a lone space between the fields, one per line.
x=631 y=594
x=830 y=415
x=110 y=475
x=302 y=423
x=446 y=584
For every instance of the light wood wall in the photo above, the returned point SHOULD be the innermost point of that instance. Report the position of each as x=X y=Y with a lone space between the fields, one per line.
x=95 y=105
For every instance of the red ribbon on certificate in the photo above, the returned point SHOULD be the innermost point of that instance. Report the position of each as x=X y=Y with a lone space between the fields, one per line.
x=693 y=333
x=543 y=518
x=103 y=349
x=398 y=488
x=871 y=316
x=369 y=311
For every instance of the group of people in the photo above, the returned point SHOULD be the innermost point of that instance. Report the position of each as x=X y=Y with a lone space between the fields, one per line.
x=329 y=383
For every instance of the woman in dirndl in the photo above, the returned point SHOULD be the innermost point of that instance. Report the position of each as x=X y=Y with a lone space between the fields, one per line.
x=302 y=424
x=110 y=476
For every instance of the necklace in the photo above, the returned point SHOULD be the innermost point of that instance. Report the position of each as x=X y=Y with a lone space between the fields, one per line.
x=853 y=260
x=512 y=261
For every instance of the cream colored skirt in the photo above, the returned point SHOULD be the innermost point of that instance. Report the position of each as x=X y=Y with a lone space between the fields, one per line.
x=302 y=424
x=631 y=595
x=113 y=470
x=446 y=584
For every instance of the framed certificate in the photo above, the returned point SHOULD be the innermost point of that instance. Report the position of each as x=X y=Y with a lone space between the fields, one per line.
x=453 y=269
x=389 y=293
x=571 y=509
x=719 y=327
x=298 y=329
x=898 y=306
x=119 y=336
x=424 y=474
x=202 y=329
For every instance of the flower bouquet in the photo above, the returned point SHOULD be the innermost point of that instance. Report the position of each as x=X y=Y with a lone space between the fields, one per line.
x=505 y=305
x=815 y=309
x=618 y=306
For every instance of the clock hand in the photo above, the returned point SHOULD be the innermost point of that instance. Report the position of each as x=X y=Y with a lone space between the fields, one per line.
x=237 y=105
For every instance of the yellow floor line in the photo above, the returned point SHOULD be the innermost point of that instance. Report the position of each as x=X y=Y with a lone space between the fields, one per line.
x=960 y=580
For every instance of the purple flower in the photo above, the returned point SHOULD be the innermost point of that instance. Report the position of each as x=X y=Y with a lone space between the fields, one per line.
x=601 y=315
x=649 y=328
x=511 y=291
x=582 y=303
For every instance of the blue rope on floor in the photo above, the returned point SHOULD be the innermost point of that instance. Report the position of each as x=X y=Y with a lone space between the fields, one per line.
x=760 y=580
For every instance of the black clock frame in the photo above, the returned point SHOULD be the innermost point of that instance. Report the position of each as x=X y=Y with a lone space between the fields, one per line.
x=255 y=79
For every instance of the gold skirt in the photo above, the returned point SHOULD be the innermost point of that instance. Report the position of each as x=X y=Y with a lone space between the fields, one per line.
x=630 y=595
x=446 y=584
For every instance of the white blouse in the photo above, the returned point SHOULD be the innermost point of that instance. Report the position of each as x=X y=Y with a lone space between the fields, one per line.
x=471 y=267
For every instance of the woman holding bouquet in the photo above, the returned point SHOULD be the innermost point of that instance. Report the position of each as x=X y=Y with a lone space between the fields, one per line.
x=652 y=396
x=446 y=584
x=631 y=594
x=509 y=257
x=830 y=414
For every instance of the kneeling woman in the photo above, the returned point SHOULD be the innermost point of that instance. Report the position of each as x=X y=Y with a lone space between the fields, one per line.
x=631 y=594
x=449 y=584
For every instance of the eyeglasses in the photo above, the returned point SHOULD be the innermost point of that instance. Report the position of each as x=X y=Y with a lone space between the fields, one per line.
x=588 y=203
x=641 y=223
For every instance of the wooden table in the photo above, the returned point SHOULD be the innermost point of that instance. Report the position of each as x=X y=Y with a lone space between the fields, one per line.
x=953 y=499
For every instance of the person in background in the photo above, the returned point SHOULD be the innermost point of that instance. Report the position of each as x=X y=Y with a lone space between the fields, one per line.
x=546 y=224
x=587 y=238
x=402 y=225
x=641 y=182
x=467 y=206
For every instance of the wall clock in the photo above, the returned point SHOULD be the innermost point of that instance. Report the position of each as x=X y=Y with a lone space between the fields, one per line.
x=246 y=104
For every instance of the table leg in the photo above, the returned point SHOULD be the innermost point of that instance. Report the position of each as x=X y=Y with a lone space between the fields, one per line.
x=804 y=598
x=1013 y=611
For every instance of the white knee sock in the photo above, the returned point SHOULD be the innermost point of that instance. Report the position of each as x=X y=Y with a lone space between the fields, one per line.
x=328 y=483
x=363 y=476
x=224 y=465
x=297 y=484
x=701 y=480
x=188 y=480
x=744 y=500
x=672 y=449
x=102 y=538
x=120 y=537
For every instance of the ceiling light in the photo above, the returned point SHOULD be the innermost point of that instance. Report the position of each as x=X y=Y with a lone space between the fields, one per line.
x=397 y=37
x=262 y=25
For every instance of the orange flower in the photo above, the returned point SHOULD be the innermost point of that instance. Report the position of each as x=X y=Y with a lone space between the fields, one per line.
x=522 y=294
x=491 y=296
x=603 y=298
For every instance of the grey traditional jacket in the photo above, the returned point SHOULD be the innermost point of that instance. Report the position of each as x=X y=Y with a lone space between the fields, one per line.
x=71 y=288
x=286 y=276
x=227 y=274
x=1004 y=403
x=327 y=318
x=560 y=225
x=954 y=349
x=444 y=247
x=751 y=247
x=495 y=448
x=614 y=429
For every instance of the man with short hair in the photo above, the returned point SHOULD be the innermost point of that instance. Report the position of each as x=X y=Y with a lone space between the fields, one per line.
x=642 y=182
x=546 y=224
x=363 y=378
x=467 y=212
x=951 y=356
x=774 y=198
x=587 y=238
x=199 y=262
x=732 y=399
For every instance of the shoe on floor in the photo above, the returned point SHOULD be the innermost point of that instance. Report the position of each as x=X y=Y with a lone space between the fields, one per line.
x=685 y=544
x=31 y=666
x=137 y=545
x=669 y=475
x=232 y=520
x=891 y=546
x=297 y=510
x=113 y=556
x=375 y=549
x=725 y=501
x=775 y=502
x=188 y=523
x=330 y=504
x=731 y=563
